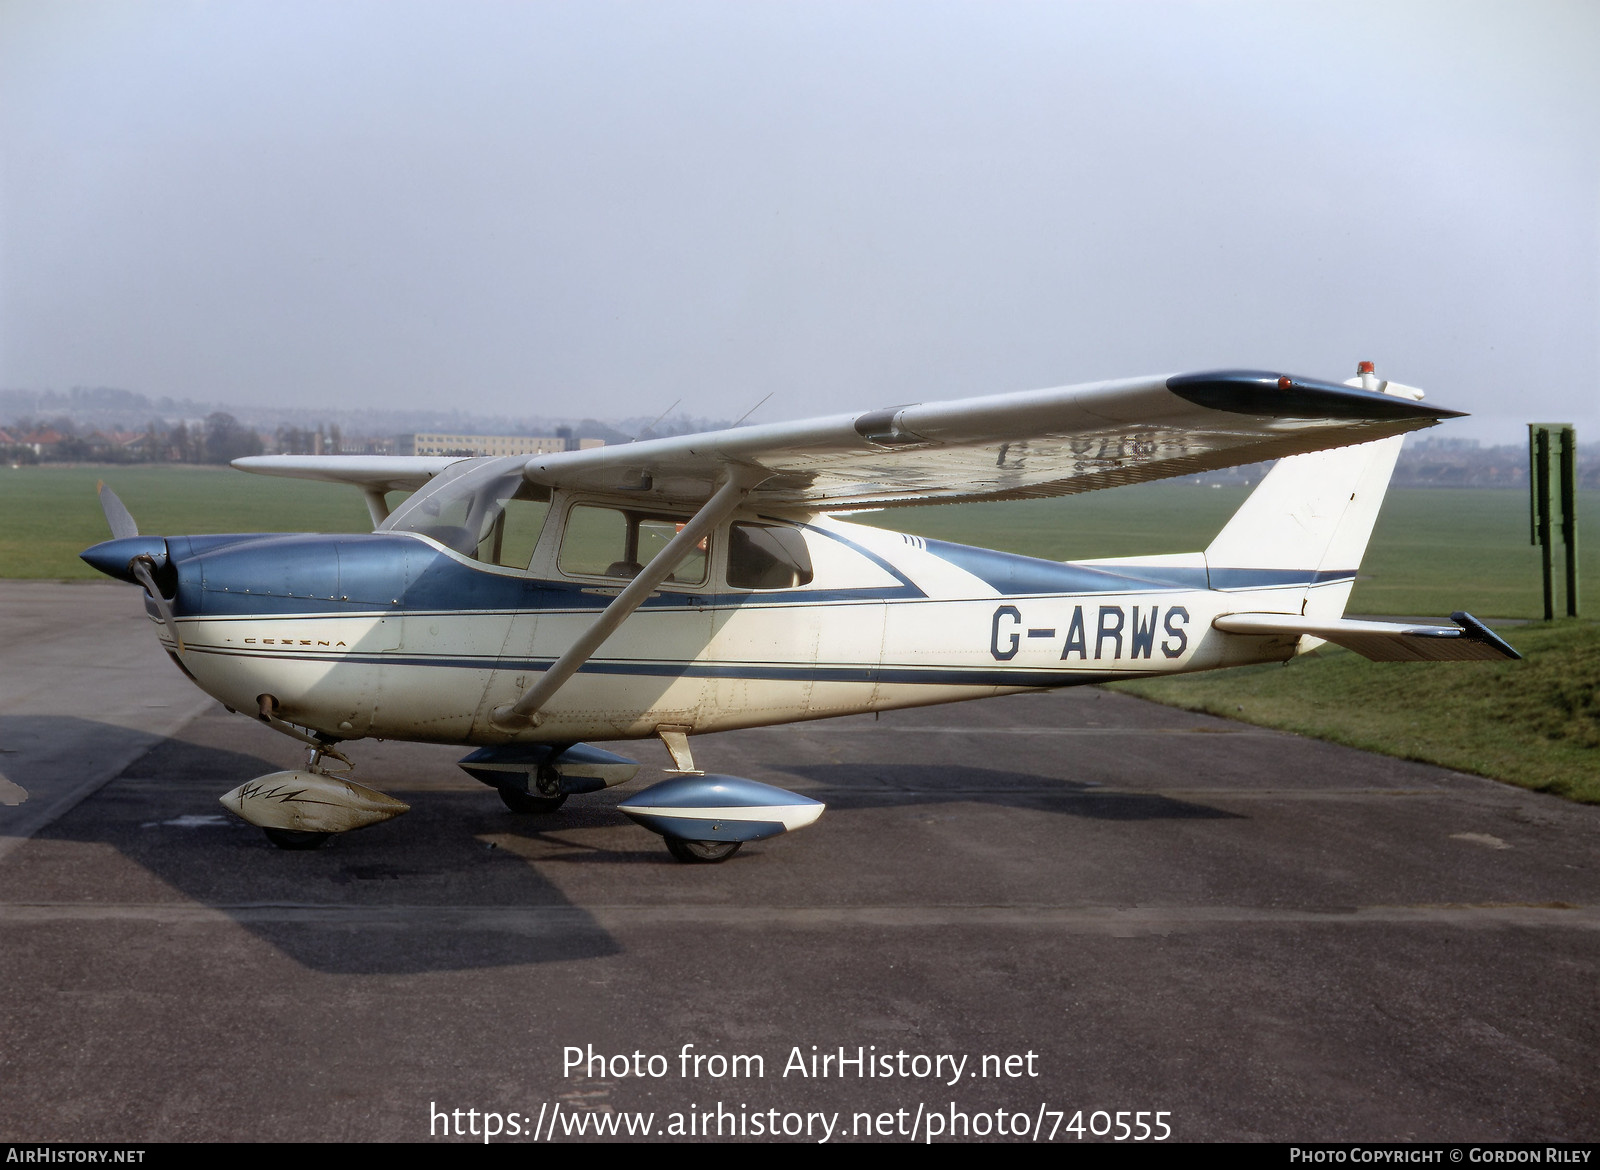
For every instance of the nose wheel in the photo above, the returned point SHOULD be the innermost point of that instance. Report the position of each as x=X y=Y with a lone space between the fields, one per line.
x=296 y=839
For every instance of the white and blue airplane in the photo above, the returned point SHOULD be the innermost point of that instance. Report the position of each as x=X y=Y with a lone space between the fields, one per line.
x=524 y=605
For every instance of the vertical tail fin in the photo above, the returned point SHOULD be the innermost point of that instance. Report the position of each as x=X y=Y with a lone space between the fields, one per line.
x=1309 y=521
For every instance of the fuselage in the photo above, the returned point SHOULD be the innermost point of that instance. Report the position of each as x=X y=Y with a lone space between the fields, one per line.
x=397 y=634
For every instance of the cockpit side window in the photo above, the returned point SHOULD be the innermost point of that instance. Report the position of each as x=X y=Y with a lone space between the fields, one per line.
x=514 y=534
x=486 y=511
x=766 y=556
x=612 y=542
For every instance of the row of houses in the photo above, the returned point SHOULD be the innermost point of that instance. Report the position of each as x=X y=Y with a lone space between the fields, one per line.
x=49 y=443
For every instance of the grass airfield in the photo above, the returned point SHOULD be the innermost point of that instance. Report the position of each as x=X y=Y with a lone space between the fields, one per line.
x=49 y=514
x=1534 y=723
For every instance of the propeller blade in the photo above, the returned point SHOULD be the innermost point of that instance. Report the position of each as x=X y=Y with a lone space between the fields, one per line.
x=140 y=568
x=117 y=514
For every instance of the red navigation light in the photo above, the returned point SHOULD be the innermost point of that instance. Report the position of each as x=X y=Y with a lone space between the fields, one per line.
x=1365 y=368
x=1284 y=381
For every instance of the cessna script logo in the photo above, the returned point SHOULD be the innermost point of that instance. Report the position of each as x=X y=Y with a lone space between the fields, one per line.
x=292 y=642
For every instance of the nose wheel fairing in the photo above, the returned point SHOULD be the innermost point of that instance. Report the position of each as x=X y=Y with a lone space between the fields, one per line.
x=301 y=801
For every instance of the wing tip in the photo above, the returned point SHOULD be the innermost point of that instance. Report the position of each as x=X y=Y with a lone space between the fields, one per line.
x=1264 y=393
x=1478 y=632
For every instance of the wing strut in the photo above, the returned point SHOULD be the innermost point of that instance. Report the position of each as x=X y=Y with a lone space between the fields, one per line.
x=525 y=711
x=377 y=504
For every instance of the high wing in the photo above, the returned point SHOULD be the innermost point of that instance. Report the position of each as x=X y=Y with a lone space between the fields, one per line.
x=1003 y=447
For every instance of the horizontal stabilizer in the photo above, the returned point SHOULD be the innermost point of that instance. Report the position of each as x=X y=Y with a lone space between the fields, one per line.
x=1468 y=639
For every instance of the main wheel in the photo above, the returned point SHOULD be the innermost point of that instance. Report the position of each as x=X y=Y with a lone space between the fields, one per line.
x=702 y=852
x=296 y=838
x=523 y=802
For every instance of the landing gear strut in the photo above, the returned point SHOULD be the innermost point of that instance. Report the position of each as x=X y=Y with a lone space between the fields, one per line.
x=297 y=840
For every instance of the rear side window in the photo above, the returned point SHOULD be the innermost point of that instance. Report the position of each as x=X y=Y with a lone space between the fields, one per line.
x=765 y=556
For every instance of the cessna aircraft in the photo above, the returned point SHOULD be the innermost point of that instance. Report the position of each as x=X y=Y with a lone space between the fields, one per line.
x=672 y=587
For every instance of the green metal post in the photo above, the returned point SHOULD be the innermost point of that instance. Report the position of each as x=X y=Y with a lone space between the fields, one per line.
x=1533 y=483
x=1569 y=513
x=1541 y=476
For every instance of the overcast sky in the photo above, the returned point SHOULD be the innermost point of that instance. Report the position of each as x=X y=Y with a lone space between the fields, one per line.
x=594 y=209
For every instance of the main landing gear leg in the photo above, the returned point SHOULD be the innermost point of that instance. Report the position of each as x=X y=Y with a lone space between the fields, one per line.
x=690 y=852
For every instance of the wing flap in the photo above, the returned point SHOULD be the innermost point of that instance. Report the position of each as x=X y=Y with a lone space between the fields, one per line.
x=1468 y=640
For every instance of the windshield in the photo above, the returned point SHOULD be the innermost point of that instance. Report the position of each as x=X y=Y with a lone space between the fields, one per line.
x=481 y=508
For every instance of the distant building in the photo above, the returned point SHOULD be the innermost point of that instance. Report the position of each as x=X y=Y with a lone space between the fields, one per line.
x=44 y=441
x=445 y=444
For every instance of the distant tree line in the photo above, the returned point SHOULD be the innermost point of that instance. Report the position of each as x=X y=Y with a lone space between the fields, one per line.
x=221 y=439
